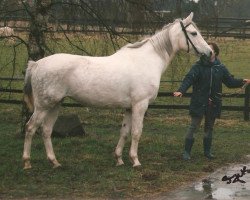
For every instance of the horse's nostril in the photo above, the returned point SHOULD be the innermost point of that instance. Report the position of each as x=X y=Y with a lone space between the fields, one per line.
x=210 y=53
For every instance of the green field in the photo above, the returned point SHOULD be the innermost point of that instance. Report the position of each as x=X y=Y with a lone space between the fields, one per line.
x=88 y=166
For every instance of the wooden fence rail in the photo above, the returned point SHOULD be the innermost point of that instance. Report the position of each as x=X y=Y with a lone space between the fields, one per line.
x=244 y=108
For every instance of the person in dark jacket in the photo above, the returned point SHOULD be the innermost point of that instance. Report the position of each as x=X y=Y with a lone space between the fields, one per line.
x=206 y=77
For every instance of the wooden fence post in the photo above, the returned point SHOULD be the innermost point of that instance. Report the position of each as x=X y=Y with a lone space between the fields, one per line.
x=246 y=103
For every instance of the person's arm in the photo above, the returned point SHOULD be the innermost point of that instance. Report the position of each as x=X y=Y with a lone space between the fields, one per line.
x=189 y=79
x=230 y=81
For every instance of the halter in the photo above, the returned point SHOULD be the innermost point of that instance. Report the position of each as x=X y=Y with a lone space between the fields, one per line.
x=187 y=37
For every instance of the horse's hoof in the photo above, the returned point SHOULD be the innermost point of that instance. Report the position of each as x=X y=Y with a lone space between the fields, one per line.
x=58 y=165
x=137 y=165
x=119 y=164
x=134 y=161
x=27 y=167
x=27 y=164
x=55 y=163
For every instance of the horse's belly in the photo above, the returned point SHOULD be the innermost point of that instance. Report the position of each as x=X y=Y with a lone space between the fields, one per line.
x=102 y=99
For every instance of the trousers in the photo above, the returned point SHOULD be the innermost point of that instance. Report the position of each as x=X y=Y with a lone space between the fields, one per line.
x=195 y=124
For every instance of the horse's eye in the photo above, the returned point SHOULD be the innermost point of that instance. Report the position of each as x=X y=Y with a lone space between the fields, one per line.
x=193 y=33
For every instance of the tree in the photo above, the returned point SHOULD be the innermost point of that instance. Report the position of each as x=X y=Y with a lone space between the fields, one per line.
x=39 y=15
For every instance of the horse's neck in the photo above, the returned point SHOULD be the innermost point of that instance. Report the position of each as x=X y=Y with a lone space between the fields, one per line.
x=147 y=51
x=163 y=45
x=164 y=59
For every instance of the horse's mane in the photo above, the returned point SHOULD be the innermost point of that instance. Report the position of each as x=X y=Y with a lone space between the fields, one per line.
x=141 y=43
x=137 y=44
x=160 y=40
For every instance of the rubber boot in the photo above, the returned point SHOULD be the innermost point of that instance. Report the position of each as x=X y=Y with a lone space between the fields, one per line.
x=188 y=146
x=207 y=143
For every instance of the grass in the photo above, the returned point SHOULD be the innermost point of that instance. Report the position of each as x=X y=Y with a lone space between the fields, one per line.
x=88 y=167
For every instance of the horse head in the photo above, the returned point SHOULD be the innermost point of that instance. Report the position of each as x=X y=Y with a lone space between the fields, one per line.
x=186 y=36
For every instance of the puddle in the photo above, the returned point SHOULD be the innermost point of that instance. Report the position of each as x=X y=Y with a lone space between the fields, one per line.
x=214 y=188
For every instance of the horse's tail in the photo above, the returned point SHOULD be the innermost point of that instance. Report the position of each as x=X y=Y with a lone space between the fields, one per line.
x=28 y=94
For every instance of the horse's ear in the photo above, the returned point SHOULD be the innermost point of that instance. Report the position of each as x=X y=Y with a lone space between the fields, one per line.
x=188 y=19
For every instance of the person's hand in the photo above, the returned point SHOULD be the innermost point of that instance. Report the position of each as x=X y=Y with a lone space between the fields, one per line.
x=246 y=81
x=177 y=94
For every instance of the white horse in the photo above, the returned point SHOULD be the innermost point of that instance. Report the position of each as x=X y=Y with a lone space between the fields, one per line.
x=129 y=78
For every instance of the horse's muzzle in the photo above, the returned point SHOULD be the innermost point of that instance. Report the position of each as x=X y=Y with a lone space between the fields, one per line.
x=205 y=58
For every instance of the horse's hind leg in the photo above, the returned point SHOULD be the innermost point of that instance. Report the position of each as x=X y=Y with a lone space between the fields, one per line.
x=138 y=111
x=31 y=127
x=125 y=130
x=47 y=127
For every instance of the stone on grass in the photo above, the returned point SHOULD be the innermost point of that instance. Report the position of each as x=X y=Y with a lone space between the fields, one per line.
x=68 y=125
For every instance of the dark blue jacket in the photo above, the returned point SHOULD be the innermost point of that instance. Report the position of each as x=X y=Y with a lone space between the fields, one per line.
x=206 y=79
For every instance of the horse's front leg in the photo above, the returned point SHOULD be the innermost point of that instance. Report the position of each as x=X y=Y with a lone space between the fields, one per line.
x=125 y=130
x=138 y=112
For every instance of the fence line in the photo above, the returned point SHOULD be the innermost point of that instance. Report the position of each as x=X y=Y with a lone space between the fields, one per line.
x=217 y=27
x=244 y=108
